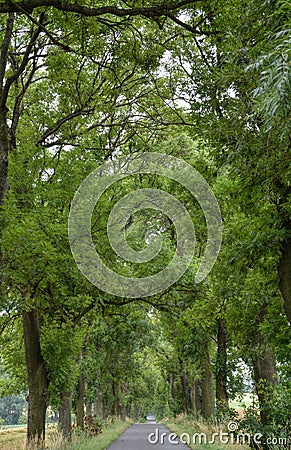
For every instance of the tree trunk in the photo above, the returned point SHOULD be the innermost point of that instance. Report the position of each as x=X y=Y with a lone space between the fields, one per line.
x=116 y=406
x=136 y=412
x=80 y=401
x=221 y=367
x=195 y=397
x=123 y=412
x=65 y=415
x=265 y=375
x=4 y=130
x=4 y=148
x=173 y=386
x=184 y=384
x=207 y=384
x=128 y=409
x=89 y=409
x=123 y=406
x=98 y=404
x=37 y=378
x=284 y=271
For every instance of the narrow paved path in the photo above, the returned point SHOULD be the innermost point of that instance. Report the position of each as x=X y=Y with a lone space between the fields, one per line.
x=147 y=436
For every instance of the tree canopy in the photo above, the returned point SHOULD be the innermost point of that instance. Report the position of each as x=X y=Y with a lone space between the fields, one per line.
x=83 y=84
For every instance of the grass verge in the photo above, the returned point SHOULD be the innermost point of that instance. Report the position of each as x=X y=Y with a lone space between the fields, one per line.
x=183 y=424
x=101 y=441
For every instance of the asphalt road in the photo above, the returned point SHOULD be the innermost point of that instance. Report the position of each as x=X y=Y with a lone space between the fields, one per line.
x=147 y=436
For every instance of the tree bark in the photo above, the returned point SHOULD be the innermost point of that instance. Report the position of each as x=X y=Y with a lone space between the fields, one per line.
x=89 y=409
x=136 y=412
x=207 y=384
x=123 y=406
x=128 y=409
x=4 y=130
x=284 y=271
x=38 y=381
x=4 y=148
x=65 y=415
x=221 y=367
x=195 y=397
x=123 y=412
x=80 y=402
x=116 y=405
x=184 y=384
x=173 y=386
x=98 y=404
x=265 y=375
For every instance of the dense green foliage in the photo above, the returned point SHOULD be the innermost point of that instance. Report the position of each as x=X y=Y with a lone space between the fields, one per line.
x=208 y=82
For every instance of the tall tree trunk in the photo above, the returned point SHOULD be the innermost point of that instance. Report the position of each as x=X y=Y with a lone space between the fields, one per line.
x=4 y=148
x=207 y=383
x=184 y=384
x=284 y=271
x=65 y=415
x=123 y=407
x=37 y=378
x=80 y=401
x=128 y=409
x=136 y=412
x=89 y=409
x=98 y=404
x=116 y=405
x=4 y=130
x=195 y=397
x=173 y=386
x=265 y=375
x=221 y=367
x=123 y=412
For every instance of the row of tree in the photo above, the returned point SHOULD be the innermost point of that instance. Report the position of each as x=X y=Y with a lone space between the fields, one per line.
x=81 y=83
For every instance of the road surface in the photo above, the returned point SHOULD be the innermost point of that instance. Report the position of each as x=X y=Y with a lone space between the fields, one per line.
x=147 y=436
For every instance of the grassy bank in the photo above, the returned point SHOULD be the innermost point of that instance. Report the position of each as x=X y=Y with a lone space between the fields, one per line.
x=14 y=439
x=101 y=441
x=203 y=432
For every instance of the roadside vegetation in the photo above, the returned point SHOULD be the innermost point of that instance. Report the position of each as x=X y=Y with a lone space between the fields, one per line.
x=15 y=439
x=92 y=85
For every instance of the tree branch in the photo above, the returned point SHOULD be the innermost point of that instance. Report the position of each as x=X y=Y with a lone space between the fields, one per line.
x=55 y=41
x=5 y=48
x=193 y=29
x=63 y=120
x=158 y=10
x=10 y=80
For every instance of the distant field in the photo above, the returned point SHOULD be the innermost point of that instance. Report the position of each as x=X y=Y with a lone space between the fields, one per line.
x=244 y=402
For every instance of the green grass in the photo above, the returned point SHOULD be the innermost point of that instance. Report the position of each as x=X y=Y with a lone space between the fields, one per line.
x=183 y=424
x=102 y=441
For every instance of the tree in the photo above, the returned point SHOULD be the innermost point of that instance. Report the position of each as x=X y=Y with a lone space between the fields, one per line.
x=27 y=63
